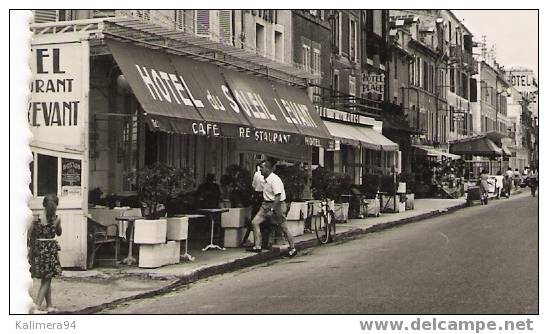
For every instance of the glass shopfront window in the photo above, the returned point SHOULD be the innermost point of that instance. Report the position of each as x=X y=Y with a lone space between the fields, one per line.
x=47 y=167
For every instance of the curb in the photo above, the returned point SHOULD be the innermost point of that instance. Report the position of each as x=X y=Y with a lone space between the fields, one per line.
x=257 y=259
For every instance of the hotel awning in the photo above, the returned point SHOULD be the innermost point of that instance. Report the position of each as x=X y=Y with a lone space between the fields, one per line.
x=185 y=96
x=356 y=135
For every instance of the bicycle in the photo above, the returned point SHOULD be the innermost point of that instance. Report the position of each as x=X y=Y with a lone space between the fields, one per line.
x=325 y=223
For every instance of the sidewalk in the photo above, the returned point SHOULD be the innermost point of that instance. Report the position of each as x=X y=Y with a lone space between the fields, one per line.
x=93 y=290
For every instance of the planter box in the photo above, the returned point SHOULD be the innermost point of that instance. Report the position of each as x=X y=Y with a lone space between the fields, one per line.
x=410 y=202
x=341 y=211
x=177 y=228
x=295 y=227
x=373 y=207
x=295 y=210
x=388 y=204
x=150 y=231
x=234 y=236
x=154 y=256
x=235 y=217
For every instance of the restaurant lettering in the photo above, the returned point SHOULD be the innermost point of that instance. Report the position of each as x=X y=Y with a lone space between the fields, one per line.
x=172 y=88
x=52 y=82
x=264 y=135
x=56 y=111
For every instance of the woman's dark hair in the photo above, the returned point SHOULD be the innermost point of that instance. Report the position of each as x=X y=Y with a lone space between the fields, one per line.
x=50 y=203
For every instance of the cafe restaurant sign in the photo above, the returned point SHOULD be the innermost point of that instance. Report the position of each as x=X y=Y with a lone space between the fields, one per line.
x=56 y=109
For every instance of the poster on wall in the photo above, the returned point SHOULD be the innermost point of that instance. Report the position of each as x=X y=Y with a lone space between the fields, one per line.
x=55 y=109
x=71 y=177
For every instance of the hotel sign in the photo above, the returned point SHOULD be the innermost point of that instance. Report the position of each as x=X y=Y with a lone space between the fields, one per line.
x=342 y=116
x=373 y=83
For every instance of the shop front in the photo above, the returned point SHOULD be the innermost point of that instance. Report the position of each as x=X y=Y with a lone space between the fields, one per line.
x=359 y=147
x=97 y=118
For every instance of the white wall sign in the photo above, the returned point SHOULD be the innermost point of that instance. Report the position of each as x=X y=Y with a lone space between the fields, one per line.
x=55 y=110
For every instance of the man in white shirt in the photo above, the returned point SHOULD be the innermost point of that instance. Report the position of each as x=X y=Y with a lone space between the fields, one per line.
x=273 y=208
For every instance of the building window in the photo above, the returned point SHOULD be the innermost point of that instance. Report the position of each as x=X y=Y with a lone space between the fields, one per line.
x=259 y=39
x=322 y=14
x=316 y=63
x=278 y=46
x=46 y=178
x=377 y=22
x=202 y=22
x=395 y=66
x=336 y=82
x=353 y=52
x=337 y=33
x=424 y=78
x=452 y=80
x=451 y=119
x=351 y=85
x=306 y=57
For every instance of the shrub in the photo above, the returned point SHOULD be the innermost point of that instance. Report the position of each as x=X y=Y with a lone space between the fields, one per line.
x=159 y=183
x=237 y=182
x=295 y=180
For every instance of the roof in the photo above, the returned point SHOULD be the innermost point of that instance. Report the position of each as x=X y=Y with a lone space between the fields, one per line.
x=155 y=36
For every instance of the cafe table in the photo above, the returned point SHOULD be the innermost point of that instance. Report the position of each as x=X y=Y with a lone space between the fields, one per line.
x=129 y=260
x=214 y=215
x=186 y=255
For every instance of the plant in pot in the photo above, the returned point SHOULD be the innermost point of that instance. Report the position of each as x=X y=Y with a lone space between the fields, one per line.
x=409 y=179
x=331 y=185
x=294 y=178
x=236 y=185
x=157 y=185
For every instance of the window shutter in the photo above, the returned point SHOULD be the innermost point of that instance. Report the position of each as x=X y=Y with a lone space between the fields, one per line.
x=141 y=14
x=101 y=13
x=179 y=19
x=202 y=23
x=46 y=15
x=225 y=26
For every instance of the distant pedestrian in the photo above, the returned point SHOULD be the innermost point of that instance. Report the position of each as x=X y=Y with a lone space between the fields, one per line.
x=500 y=184
x=43 y=252
x=532 y=180
x=517 y=179
x=273 y=208
x=484 y=186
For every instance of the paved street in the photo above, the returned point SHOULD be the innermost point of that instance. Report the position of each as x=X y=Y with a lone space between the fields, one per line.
x=479 y=260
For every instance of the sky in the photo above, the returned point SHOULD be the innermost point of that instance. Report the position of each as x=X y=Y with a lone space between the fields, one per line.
x=515 y=33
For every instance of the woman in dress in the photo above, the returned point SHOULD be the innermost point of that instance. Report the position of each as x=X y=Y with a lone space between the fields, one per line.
x=484 y=186
x=43 y=252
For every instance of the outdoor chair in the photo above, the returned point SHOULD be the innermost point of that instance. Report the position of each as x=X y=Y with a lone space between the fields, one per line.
x=97 y=238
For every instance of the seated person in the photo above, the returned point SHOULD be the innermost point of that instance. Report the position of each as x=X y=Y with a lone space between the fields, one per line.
x=209 y=193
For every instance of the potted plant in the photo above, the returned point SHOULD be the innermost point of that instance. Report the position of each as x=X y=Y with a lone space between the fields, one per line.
x=409 y=179
x=331 y=185
x=370 y=188
x=157 y=185
x=295 y=179
x=236 y=185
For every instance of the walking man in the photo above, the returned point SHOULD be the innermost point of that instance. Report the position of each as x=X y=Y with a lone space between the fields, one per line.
x=273 y=208
x=533 y=181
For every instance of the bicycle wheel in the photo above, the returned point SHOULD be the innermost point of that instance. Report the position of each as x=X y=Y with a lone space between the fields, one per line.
x=321 y=227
